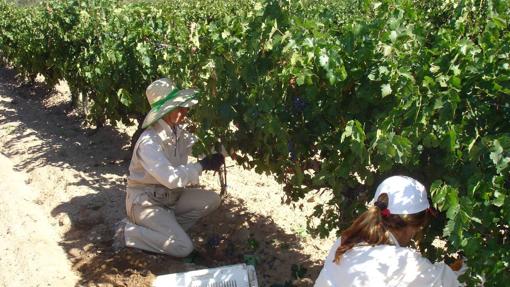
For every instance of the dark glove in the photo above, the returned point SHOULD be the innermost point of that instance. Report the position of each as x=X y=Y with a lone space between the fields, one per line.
x=212 y=162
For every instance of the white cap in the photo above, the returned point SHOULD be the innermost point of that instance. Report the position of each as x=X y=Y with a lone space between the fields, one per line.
x=406 y=195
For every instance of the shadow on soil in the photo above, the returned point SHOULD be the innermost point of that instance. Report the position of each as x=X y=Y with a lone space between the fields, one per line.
x=230 y=235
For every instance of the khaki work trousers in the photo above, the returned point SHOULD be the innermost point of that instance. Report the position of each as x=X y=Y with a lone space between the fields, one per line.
x=159 y=217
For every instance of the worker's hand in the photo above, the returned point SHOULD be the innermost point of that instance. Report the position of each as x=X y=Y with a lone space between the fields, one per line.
x=212 y=162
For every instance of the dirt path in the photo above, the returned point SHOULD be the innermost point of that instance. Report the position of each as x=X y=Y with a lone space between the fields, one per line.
x=27 y=237
x=76 y=178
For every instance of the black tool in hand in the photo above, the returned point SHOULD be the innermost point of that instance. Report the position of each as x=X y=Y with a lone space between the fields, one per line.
x=212 y=162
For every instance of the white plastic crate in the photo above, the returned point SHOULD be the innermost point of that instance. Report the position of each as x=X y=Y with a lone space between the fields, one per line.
x=240 y=275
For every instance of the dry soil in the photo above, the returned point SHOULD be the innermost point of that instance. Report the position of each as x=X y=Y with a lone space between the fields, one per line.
x=62 y=189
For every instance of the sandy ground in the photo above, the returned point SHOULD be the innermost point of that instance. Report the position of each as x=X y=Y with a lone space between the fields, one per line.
x=62 y=189
x=27 y=237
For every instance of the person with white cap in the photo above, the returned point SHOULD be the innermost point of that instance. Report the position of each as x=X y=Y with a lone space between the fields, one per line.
x=371 y=251
x=160 y=203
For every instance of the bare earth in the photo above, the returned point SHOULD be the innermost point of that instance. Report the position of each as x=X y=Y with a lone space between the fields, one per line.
x=62 y=189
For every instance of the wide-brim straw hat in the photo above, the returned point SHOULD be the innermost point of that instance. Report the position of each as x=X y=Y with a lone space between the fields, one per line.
x=164 y=96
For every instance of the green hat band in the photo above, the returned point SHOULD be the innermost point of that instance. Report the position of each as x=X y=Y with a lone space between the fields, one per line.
x=158 y=104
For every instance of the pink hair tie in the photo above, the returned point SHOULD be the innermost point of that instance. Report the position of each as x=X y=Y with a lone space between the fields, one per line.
x=385 y=212
x=432 y=211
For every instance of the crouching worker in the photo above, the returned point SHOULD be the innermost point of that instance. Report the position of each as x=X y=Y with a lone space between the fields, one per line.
x=160 y=205
x=371 y=251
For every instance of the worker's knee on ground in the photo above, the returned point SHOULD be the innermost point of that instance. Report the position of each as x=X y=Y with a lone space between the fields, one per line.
x=215 y=202
x=180 y=248
x=210 y=202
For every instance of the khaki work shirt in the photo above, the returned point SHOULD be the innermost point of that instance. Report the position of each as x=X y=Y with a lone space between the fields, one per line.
x=160 y=157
